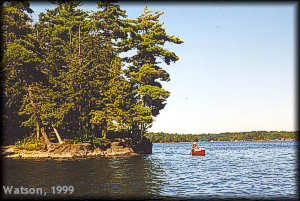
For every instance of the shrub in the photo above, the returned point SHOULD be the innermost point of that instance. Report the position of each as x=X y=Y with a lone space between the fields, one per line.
x=97 y=142
x=30 y=143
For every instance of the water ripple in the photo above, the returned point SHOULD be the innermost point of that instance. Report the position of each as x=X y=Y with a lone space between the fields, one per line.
x=229 y=169
x=261 y=169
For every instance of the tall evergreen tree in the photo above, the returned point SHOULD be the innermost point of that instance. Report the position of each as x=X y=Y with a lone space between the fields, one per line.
x=110 y=27
x=145 y=71
x=21 y=59
x=59 y=34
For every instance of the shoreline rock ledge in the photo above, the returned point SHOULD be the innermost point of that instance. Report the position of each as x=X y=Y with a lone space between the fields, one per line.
x=118 y=148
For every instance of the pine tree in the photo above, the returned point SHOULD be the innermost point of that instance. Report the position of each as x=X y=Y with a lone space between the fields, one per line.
x=110 y=28
x=58 y=31
x=148 y=38
x=21 y=60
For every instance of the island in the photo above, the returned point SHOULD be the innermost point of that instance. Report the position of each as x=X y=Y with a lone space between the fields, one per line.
x=84 y=76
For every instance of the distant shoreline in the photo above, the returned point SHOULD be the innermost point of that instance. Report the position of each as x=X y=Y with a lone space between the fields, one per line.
x=285 y=140
x=224 y=137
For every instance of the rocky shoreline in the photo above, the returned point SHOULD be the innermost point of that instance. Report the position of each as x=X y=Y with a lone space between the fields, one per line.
x=84 y=150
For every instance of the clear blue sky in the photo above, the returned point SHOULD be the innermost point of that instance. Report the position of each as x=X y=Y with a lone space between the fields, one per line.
x=237 y=68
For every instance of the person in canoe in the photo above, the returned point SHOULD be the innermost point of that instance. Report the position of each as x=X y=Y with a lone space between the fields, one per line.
x=195 y=147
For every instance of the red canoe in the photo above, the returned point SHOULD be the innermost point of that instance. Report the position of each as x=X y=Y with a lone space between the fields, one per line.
x=198 y=153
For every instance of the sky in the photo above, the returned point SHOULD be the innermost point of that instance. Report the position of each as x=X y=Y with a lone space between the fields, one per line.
x=237 y=66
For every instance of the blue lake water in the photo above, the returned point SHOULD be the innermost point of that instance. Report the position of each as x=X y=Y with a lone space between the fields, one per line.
x=262 y=170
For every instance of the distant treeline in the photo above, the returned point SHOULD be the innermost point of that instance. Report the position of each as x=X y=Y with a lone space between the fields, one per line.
x=238 y=136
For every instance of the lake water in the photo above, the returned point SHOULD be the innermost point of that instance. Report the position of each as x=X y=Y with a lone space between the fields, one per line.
x=263 y=170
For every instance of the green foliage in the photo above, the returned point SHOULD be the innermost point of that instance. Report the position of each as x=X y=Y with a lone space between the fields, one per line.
x=30 y=143
x=102 y=143
x=144 y=71
x=69 y=141
x=84 y=139
x=71 y=69
x=97 y=142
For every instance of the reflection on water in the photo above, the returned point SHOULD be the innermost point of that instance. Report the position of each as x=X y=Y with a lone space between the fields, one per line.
x=101 y=177
x=229 y=169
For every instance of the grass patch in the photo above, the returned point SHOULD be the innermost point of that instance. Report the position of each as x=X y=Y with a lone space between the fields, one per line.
x=30 y=143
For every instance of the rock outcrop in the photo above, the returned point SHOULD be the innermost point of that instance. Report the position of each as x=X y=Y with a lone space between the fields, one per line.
x=121 y=147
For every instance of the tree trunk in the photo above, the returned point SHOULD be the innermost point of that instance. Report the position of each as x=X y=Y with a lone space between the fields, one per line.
x=101 y=133
x=142 y=130
x=70 y=36
x=38 y=120
x=142 y=124
x=104 y=130
x=79 y=39
x=57 y=135
x=47 y=141
x=37 y=130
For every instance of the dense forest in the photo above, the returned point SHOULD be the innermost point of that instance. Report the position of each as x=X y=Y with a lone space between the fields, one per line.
x=76 y=72
x=237 y=136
